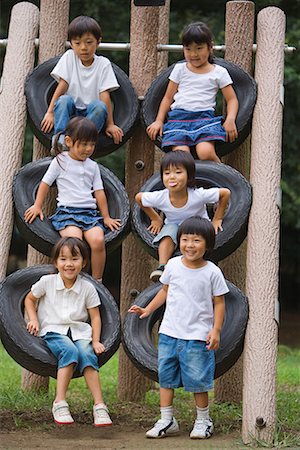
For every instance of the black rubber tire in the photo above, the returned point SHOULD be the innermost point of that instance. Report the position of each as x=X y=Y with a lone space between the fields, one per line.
x=137 y=333
x=245 y=89
x=208 y=174
x=39 y=88
x=30 y=351
x=40 y=234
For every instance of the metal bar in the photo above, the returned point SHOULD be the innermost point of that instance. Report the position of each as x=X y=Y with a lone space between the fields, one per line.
x=125 y=47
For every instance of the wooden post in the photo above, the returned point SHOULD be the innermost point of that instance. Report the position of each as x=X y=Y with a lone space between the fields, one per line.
x=54 y=19
x=260 y=352
x=136 y=265
x=239 y=34
x=19 y=61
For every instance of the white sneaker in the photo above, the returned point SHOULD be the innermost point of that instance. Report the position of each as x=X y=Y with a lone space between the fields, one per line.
x=163 y=428
x=101 y=416
x=203 y=429
x=61 y=413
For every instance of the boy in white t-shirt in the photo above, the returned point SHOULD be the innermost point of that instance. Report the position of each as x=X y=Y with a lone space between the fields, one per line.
x=193 y=290
x=85 y=81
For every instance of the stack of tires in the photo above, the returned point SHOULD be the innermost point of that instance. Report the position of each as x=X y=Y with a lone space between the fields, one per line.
x=30 y=351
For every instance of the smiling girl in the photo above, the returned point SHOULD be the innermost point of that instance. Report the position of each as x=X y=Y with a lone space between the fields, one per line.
x=191 y=95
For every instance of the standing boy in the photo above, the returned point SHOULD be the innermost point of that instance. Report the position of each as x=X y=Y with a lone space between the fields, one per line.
x=193 y=290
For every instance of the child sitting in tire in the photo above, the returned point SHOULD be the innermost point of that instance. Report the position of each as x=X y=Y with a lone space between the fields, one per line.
x=66 y=301
x=178 y=201
x=85 y=81
x=191 y=95
x=193 y=291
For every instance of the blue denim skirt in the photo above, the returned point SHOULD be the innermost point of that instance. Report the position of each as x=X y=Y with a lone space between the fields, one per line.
x=83 y=218
x=191 y=127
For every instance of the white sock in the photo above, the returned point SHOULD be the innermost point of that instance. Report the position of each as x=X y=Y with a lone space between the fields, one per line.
x=202 y=413
x=166 y=412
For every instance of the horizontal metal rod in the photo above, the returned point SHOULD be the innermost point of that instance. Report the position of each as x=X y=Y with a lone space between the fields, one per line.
x=125 y=47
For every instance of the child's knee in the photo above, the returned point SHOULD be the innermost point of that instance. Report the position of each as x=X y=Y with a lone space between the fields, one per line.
x=65 y=101
x=98 y=242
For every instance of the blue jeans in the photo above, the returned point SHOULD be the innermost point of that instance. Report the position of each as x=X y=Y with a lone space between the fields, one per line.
x=69 y=352
x=64 y=109
x=185 y=363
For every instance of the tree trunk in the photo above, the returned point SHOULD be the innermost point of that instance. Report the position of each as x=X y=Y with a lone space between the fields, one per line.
x=239 y=33
x=142 y=70
x=54 y=18
x=19 y=61
x=260 y=351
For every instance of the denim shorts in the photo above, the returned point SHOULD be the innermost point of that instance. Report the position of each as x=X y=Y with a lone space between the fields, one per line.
x=170 y=229
x=185 y=363
x=68 y=352
x=83 y=218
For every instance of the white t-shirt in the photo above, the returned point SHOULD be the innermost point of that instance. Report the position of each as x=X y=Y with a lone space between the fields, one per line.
x=60 y=308
x=195 y=205
x=85 y=82
x=197 y=91
x=189 y=310
x=76 y=181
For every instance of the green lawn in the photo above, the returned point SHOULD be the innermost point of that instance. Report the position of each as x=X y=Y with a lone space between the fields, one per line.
x=227 y=417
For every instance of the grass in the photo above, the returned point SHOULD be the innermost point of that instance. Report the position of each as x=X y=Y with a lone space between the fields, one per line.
x=227 y=417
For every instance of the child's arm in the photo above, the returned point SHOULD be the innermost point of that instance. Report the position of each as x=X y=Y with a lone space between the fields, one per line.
x=36 y=209
x=156 y=220
x=94 y=314
x=156 y=127
x=213 y=337
x=48 y=120
x=112 y=130
x=232 y=110
x=112 y=224
x=155 y=303
x=220 y=210
x=33 y=325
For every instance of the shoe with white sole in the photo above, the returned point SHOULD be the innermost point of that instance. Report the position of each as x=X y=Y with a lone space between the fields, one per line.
x=163 y=428
x=203 y=429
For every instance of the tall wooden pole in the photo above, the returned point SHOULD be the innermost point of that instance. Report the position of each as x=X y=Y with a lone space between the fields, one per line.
x=239 y=34
x=54 y=18
x=260 y=352
x=19 y=61
x=136 y=265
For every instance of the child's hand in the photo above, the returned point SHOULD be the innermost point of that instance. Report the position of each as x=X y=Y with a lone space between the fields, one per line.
x=32 y=212
x=217 y=224
x=154 y=129
x=155 y=226
x=213 y=340
x=142 y=312
x=230 y=128
x=112 y=224
x=98 y=347
x=48 y=122
x=114 y=132
x=33 y=327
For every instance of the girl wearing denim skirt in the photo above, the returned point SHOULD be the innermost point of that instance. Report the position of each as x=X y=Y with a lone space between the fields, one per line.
x=80 y=192
x=65 y=302
x=191 y=96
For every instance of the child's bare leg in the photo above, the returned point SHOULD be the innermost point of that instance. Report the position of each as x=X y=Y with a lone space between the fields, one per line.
x=95 y=238
x=206 y=151
x=92 y=380
x=166 y=396
x=201 y=399
x=71 y=231
x=185 y=148
x=165 y=249
x=64 y=375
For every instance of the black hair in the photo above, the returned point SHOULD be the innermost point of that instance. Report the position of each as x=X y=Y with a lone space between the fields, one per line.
x=78 y=129
x=75 y=245
x=199 y=33
x=84 y=24
x=200 y=226
x=180 y=158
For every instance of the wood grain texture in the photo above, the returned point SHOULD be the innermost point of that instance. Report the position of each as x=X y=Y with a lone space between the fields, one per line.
x=263 y=232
